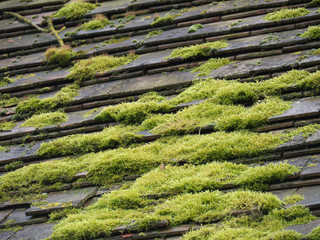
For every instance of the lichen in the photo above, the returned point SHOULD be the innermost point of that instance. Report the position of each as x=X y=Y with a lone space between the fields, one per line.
x=198 y=50
x=45 y=119
x=75 y=10
x=286 y=14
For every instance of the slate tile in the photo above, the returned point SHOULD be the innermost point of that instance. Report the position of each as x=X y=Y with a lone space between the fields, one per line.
x=304 y=228
x=312 y=169
x=311 y=197
x=18 y=217
x=4 y=214
x=314 y=138
x=34 y=232
x=284 y=192
x=60 y=200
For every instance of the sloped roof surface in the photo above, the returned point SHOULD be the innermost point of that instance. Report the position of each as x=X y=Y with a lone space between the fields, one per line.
x=164 y=145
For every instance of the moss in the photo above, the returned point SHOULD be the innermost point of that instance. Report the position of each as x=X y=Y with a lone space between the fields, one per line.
x=7 y=101
x=286 y=14
x=87 y=69
x=99 y=22
x=45 y=119
x=4 y=81
x=163 y=21
x=75 y=10
x=304 y=131
x=210 y=65
x=293 y=198
x=314 y=234
x=198 y=50
x=115 y=40
x=7 y=125
x=109 y=138
x=13 y=166
x=313 y=33
x=195 y=28
x=153 y=34
x=316 y=52
x=314 y=3
x=58 y=215
x=61 y=56
x=135 y=112
x=2 y=148
x=36 y=106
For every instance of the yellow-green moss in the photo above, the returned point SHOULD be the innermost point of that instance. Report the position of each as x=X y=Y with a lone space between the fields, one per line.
x=135 y=112
x=316 y=52
x=4 y=81
x=109 y=138
x=313 y=33
x=61 y=56
x=210 y=65
x=293 y=198
x=75 y=10
x=87 y=69
x=286 y=14
x=314 y=3
x=45 y=119
x=7 y=101
x=35 y=105
x=98 y=22
x=163 y=21
x=7 y=125
x=195 y=28
x=13 y=166
x=153 y=34
x=198 y=50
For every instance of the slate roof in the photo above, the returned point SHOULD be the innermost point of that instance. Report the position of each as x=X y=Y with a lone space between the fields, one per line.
x=22 y=58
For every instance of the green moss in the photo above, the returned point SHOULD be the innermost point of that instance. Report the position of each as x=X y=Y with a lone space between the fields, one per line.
x=153 y=34
x=13 y=166
x=75 y=10
x=98 y=22
x=293 y=198
x=135 y=112
x=286 y=14
x=109 y=138
x=316 y=52
x=58 y=215
x=210 y=65
x=7 y=125
x=163 y=21
x=314 y=3
x=2 y=148
x=61 y=56
x=4 y=81
x=115 y=40
x=305 y=131
x=198 y=50
x=195 y=28
x=313 y=33
x=7 y=101
x=87 y=69
x=314 y=234
x=36 y=106
x=45 y=119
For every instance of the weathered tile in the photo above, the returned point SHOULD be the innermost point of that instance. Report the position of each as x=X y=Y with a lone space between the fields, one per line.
x=34 y=232
x=59 y=200
x=19 y=218
x=312 y=169
x=305 y=228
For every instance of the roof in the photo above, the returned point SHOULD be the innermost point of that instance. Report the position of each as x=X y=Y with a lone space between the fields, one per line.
x=168 y=119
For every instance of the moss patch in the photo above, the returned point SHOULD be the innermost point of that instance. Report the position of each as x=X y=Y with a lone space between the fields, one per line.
x=45 y=119
x=286 y=14
x=36 y=106
x=75 y=10
x=4 y=81
x=210 y=65
x=313 y=33
x=153 y=34
x=198 y=50
x=99 y=22
x=7 y=125
x=87 y=69
x=61 y=56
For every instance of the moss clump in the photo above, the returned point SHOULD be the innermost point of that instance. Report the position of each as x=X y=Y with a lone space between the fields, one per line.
x=75 y=10
x=99 y=22
x=109 y=138
x=7 y=101
x=153 y=34
x=293 y=198
x=61 y=56
x=316 y=52
x=36 y=106
x=135 y=112
x=314 y=3
x=163 y=21
x=4 y=81
x=198 y=50
x=195 y=28
x=87 y=69
x=7 y=125
x=286 y=14
x=210 y=65
x=313 y=33
x=202 y=207
x=58 y=215
x=175 y=180
x=314 y=234
x=13 y=166
x=45 y=119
